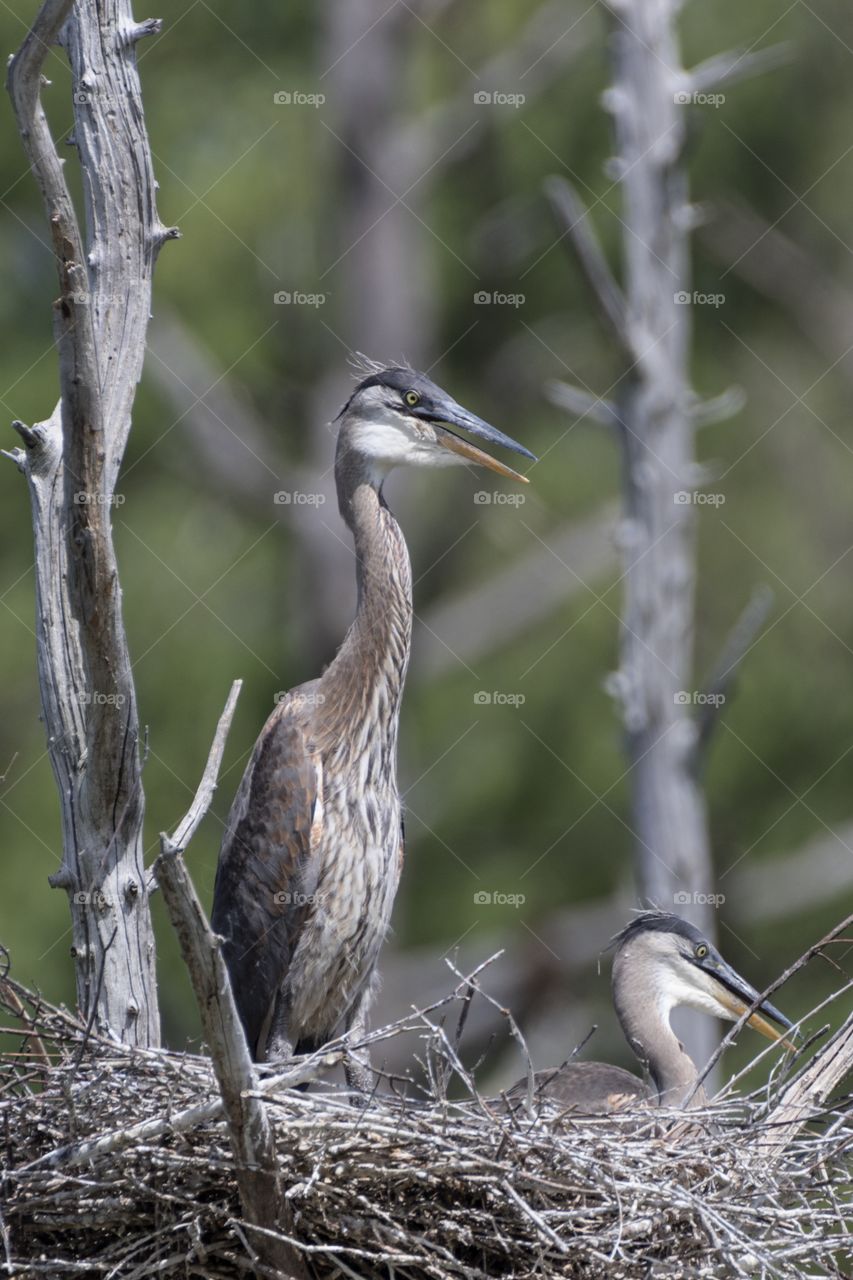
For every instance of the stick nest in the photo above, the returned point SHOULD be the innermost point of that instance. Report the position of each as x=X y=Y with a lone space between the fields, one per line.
x=116 y=1163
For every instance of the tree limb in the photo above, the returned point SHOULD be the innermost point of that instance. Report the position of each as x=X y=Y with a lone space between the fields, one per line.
x=806 y=1095
x=734 y=65
x=738 y=644
x=726 y=405
x=71 y=462
x=582 y=404
x=248 y=1124
x=187 y=827
x=573 y=220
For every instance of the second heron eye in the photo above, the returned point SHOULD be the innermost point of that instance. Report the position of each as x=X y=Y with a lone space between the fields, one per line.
x=412 y=398
x=701 y=951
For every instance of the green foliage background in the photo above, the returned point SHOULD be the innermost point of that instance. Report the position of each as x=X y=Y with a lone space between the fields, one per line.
x=211 y=590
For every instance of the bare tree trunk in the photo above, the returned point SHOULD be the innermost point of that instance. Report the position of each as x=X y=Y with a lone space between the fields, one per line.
x=655 y=415
x=71 y=462
x=654 y=682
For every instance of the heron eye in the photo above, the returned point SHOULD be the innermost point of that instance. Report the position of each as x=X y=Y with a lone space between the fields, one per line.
x=412 y=398
x=701 y=951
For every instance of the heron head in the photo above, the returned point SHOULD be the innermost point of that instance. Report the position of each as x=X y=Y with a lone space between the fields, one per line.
x=398 y=417
x=679 y=966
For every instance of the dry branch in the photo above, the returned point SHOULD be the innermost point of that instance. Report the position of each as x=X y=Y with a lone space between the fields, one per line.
x=432 y=1188
x=574 y=222
x=248 y=1124
x=805 y=1098
x=71 y=462
x=722 y=681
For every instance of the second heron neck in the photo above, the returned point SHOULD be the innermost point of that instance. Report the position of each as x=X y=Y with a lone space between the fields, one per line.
x=641 y=1006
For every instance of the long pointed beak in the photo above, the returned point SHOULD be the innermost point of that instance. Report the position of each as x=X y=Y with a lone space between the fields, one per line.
x=736 y=995
x=452 y=415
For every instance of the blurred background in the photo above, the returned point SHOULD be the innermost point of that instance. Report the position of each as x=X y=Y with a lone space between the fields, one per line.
x=341 y=185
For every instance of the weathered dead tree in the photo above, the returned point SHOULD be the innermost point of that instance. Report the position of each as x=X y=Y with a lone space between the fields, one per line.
x=247 y=1121
x=71 y=461
x=655 y=414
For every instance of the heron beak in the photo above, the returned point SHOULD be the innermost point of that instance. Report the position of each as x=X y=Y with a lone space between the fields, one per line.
x=451 y=415
x=736 y=996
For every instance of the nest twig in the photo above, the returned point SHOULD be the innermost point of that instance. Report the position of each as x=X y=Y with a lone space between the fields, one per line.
x=117 y=1164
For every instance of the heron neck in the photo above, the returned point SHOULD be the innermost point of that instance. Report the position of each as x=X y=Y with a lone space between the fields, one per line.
x=645 y=1021
x=365 y=681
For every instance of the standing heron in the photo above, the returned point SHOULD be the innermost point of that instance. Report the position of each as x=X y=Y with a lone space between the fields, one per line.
x=313 y=846
x=661 y=962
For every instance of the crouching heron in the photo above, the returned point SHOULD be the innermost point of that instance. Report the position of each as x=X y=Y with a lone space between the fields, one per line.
x=661 y=962
x=313 y=845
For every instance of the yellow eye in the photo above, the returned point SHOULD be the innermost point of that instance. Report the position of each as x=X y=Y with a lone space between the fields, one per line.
x=701 y=951
x=412 y=398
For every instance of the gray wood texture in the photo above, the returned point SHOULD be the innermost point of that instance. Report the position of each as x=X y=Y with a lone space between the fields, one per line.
x=71 y=461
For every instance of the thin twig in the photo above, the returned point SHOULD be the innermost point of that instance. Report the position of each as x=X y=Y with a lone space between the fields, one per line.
x=573 y=220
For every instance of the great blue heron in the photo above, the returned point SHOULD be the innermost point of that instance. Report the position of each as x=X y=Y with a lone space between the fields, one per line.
x=661 y=962
x=313 y=845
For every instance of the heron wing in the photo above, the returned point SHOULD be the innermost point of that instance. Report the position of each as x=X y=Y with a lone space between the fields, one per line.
x=586 y=1088
x=259 y=901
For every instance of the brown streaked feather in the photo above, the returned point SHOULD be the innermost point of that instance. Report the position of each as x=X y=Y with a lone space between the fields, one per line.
x=261 y=898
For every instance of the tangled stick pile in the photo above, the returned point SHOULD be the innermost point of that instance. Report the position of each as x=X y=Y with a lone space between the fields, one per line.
x=116 y=1163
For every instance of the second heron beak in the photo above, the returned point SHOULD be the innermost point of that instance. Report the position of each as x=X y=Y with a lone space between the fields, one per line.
x=736 y=996
x=450 y=415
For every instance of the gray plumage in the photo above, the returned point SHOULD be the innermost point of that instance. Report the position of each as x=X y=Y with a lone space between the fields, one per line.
x=313 y=847
x=660 y=962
